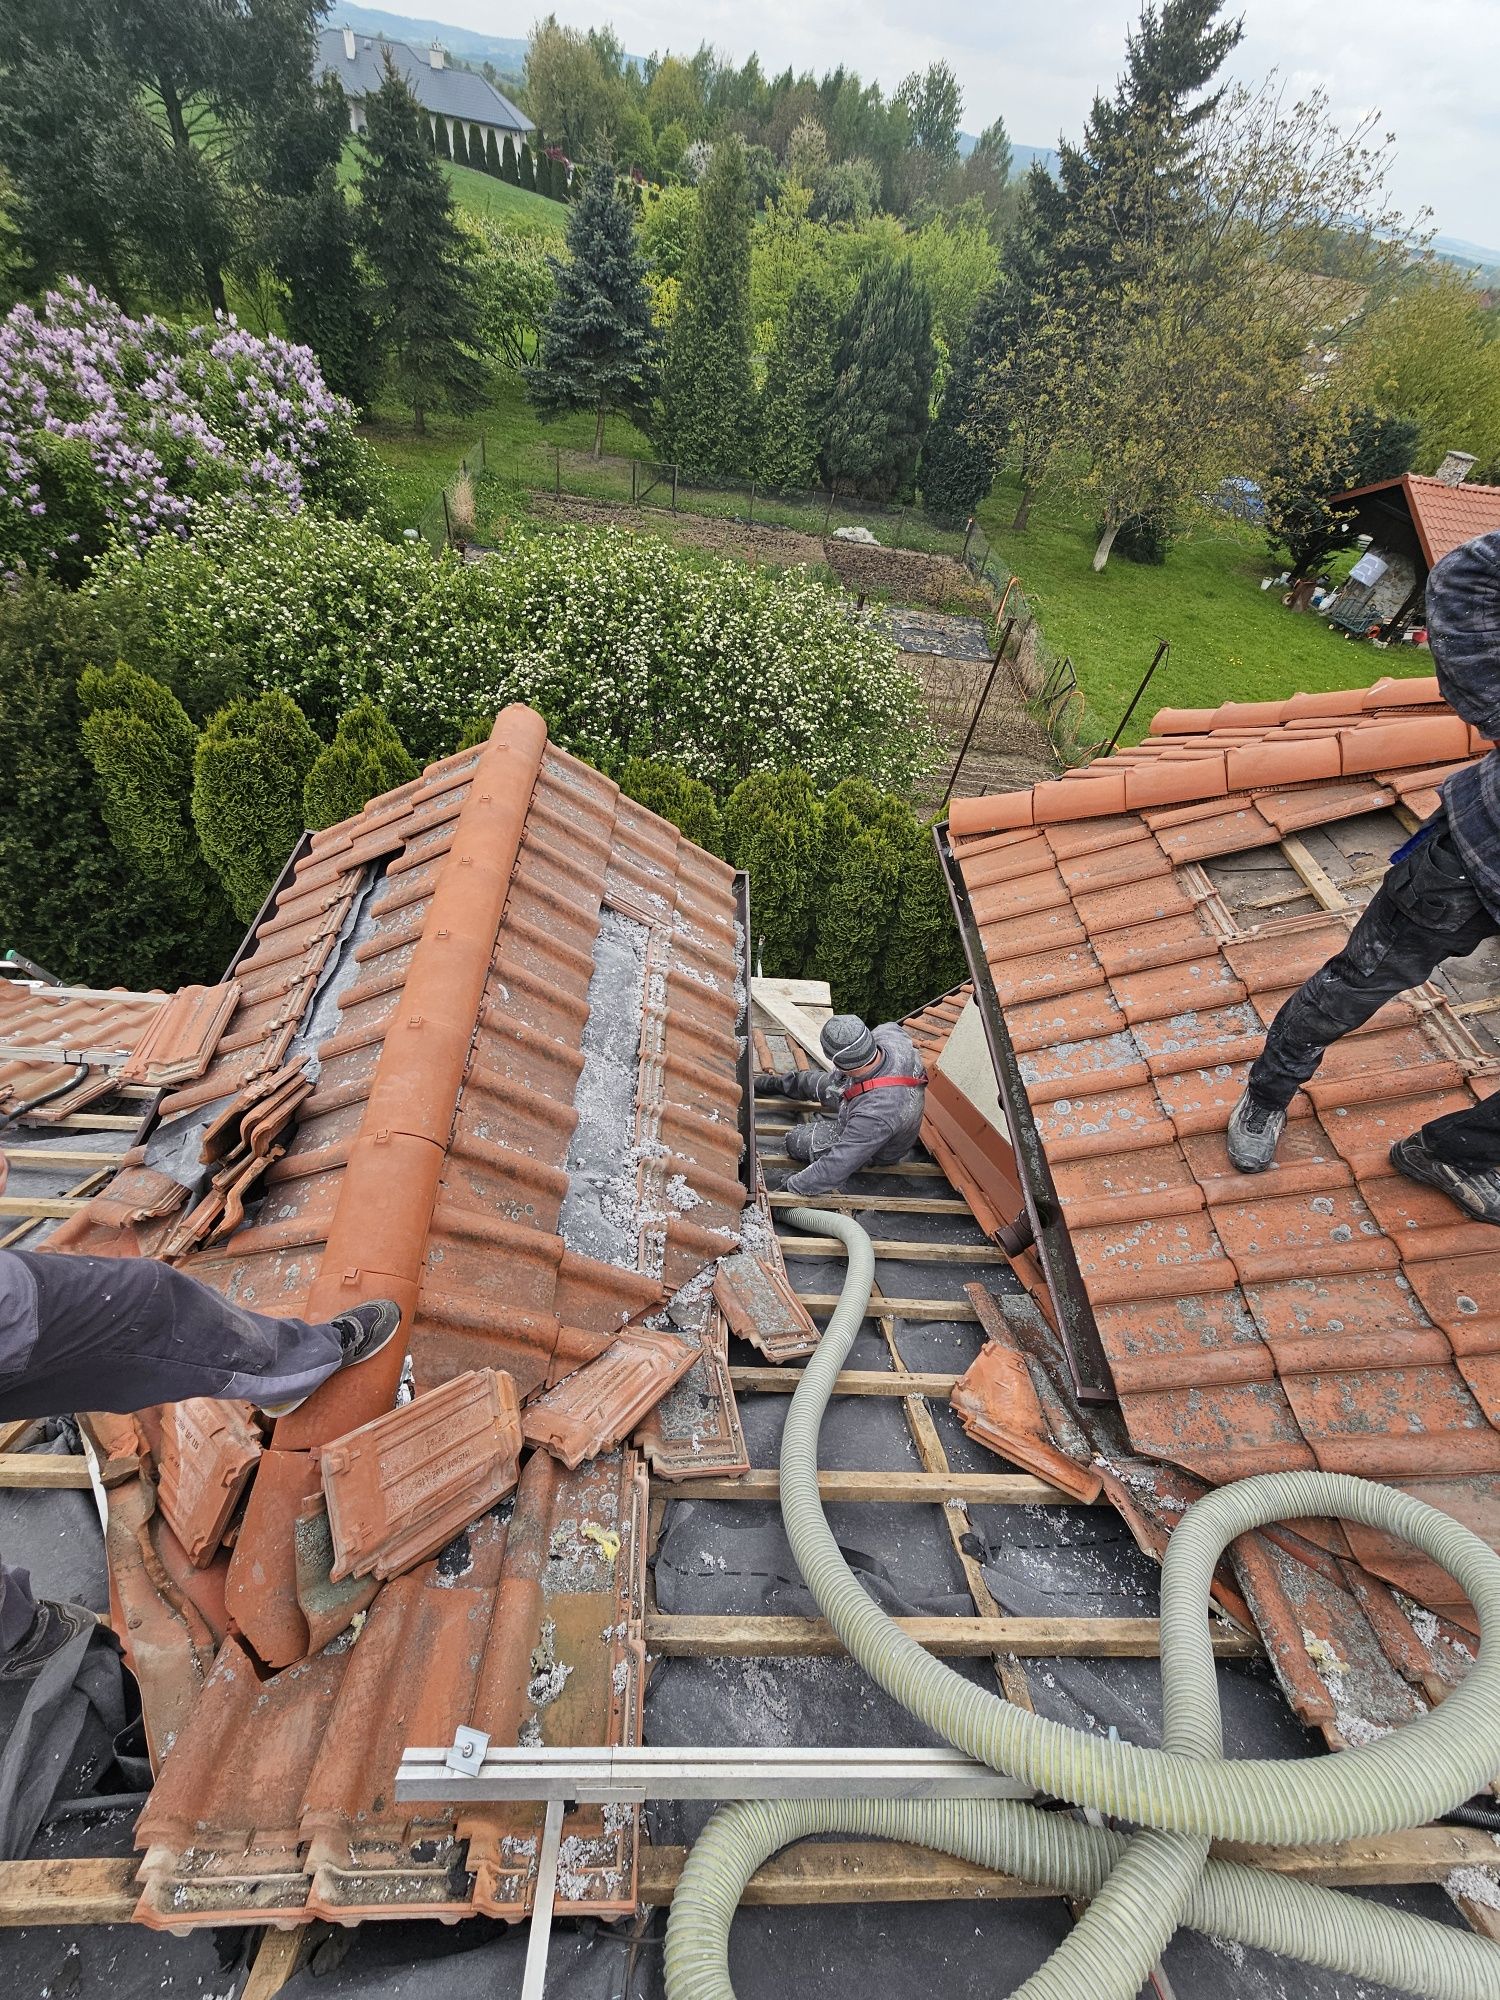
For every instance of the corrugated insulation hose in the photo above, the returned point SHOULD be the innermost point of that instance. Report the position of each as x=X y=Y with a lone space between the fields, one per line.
x=1139 y=1887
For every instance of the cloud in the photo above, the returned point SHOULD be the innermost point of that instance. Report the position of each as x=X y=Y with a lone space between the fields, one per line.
x=1422 y=67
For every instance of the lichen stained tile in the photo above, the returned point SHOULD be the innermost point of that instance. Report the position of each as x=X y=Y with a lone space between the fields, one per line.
x=405 y=1483
x=1329 y=1312
x=437 y=976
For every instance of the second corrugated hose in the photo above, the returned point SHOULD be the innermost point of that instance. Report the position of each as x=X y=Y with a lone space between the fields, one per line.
x=1142 y=1886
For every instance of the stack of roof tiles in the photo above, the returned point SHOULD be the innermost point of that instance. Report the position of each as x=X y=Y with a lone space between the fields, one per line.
x=1329 y=1313
x=395 y=1110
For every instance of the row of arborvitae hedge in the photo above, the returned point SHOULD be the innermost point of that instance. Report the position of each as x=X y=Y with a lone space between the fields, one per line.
x=209 y=816
x=137 y=841
x=845 y=888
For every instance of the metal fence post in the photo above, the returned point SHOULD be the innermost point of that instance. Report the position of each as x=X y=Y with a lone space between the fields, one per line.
x=752 y=503
x=484 y=457
x=447 y=523
x=828 y=510
x=634 y=481
x=968 y=537
x=674 y=489
x=557 y=471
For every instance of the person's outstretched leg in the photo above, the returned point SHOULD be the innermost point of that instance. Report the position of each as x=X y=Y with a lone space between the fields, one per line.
x=1459 y=1155
x=122 y=1333
x=1424 y=911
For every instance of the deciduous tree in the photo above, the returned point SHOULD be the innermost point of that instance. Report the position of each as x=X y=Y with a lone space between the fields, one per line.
x=1324 y=448
x=1430 y=356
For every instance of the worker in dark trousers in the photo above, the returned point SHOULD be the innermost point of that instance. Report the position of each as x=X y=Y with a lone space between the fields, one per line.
x=123 y=1333
x=873 y=1098
x=1440 y=899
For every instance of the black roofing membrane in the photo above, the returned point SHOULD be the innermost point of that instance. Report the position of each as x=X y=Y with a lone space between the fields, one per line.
x=731 y=1558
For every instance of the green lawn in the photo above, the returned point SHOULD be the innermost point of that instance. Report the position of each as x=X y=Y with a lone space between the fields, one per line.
x=482 y=194
x=516 y=441
x=1231 y=641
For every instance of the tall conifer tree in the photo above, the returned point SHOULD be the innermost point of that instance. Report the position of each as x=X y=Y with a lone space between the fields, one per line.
x=599 y=348
x=707 y=417
x=882 y=384
x=426 y=310
x=799 y=376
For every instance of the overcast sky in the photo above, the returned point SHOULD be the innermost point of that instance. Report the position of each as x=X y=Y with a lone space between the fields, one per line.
x=1430 y=68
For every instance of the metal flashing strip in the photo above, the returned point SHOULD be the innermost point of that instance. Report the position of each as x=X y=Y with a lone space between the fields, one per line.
x=1088 y=1363
x=745 y=1057
x=633 y=1773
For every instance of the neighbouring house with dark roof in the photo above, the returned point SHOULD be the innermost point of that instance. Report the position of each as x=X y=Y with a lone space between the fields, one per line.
x=1412 y=522
x=459 y=97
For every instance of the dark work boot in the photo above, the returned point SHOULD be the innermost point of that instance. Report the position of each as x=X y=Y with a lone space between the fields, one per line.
x=364 y=1330
x=53 y=1627
x=1254 y=1133
x=1475 y=1189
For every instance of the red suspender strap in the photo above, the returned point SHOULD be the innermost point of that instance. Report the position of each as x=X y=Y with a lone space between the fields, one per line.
x=885 y=1083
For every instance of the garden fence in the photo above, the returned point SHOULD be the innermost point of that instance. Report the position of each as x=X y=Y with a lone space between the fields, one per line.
x=1046 y=682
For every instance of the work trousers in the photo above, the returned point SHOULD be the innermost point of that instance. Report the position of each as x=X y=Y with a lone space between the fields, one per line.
x=1425 y=910
x=123 y=1333
x=814 y=1138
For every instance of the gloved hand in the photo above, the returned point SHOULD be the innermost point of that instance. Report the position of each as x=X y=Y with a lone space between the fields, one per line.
x=768 y=1083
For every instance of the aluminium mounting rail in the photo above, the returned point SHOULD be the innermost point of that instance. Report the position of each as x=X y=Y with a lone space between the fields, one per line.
x=630 y=1775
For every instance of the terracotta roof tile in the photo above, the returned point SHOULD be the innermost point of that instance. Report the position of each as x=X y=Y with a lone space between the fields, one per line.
x=485 y=1061
x=760 y=1305
x=604 y=1401
x=406 y=1482
x=695 y=1428
x=48 y=1032
x=1330 y=1313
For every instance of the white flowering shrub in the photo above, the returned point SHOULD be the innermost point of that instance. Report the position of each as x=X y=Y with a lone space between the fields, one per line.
x=628 y=647
x=113 y=428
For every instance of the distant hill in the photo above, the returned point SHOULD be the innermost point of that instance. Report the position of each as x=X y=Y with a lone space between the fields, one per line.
x=506 y=52
x=1021 y=156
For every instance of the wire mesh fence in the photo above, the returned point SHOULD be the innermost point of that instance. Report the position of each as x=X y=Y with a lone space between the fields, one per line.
x=1032 y=694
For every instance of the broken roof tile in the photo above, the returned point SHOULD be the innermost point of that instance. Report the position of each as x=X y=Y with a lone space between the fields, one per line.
x=207 y=1452
x=403 y=1484
x=696 y=1428
x=997 y=1404
x=760 y=1305
x=605 y=1400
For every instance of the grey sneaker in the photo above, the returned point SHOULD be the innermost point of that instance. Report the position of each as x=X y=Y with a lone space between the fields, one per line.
x=1254 y=1133
x=1475 y=1189
x=54 y=1626
x=364 y=1330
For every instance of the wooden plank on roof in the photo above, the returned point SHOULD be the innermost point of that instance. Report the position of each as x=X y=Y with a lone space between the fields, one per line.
x=882 y=1871
x=689 y=1636
x=853 y=1382
x=983 y=1489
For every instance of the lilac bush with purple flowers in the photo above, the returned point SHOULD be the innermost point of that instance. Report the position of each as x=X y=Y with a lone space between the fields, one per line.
x=114 y=429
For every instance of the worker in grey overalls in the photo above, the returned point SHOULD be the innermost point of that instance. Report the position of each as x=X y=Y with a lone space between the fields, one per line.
x=873 y=1098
